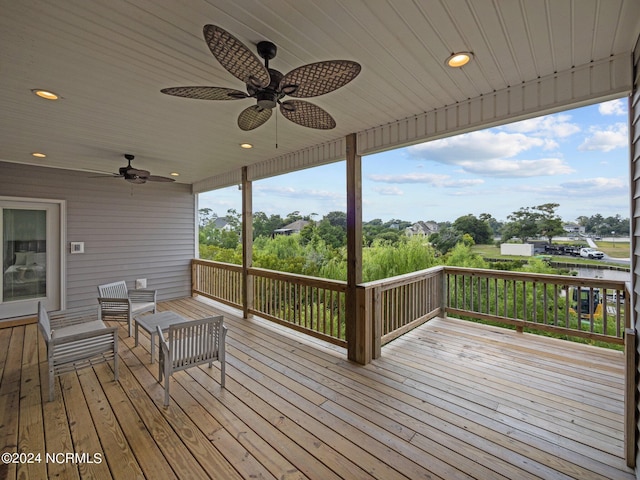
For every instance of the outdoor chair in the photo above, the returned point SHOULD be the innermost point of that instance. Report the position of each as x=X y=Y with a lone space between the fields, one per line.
x=120 y=304
x=190 y=344
x=76 y=340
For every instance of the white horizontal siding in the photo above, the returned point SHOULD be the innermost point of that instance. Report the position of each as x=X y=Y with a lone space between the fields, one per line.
x=634 y=120
x=129 y=232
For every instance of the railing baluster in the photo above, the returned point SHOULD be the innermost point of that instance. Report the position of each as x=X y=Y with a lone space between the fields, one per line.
x=535 y=303
x=524 y=301
x=495 y=296
x=604 y=310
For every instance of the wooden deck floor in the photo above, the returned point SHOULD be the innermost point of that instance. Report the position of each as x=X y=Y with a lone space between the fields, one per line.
x=449 y=400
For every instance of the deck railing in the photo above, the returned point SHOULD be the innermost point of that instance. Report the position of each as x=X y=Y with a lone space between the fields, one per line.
x=398 y=304
x=596 y=309
x=218 y=281
x=315 y=306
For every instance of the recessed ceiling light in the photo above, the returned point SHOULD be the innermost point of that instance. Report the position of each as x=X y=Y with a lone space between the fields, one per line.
x=246 y=145
x=459 y=59
x=46 y=94
x=39 y=154
x=174 y=174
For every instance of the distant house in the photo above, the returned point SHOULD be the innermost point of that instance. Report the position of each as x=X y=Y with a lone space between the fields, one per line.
x=573 y=228
x=295 y=227
x=421 y=228
x=221 y=223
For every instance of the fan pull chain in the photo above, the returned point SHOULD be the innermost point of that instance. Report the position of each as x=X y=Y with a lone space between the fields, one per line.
x=276 y=109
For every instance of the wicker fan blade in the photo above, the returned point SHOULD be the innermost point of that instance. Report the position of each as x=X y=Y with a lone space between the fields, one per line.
x=253 y=117
x=237 y=59
x=107 y=175
x=319 y=78
x=157 y=178
x=307 y=114
x=134 y=172
x=205 y=93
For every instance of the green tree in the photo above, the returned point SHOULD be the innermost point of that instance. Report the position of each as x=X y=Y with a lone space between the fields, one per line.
x=445 y=239
x=523 y=224
x=494 y=224
x=205 y=215
x=397 y=224
x=263 y=225
x=282 y=252
x=333 y=229
x=461 y=255
x=617 y=225
x=371 y=229
x=384 y=259
x=549 y=224
x=234 y=219
x=477 y=228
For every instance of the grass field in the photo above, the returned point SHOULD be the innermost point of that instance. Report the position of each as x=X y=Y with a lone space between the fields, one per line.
x=615 y=250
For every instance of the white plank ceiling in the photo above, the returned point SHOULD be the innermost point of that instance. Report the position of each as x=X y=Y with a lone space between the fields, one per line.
x=109 y=59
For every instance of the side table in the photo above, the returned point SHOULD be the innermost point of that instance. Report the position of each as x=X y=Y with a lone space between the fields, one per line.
x=150 y=322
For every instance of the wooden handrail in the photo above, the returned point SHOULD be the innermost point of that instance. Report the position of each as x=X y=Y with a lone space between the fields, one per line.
x=394 y=305
x=553 y=303
x=337 y=285
x=540 y=277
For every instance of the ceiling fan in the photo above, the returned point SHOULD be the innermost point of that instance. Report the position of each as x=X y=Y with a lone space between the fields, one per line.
x=134 y=175
x=269 y=86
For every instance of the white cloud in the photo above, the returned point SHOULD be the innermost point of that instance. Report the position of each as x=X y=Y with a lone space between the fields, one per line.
x=491 y=153
x=606 y=139
x=595 y=187
x=475 y=145
x=393 y=191
x=305 y=193
x=549 y=126
x=614 y=107
x=500 y=167
x=428 y=178
x=471 y=182
x=434 y=180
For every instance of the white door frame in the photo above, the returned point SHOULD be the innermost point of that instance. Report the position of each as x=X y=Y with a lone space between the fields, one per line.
x=58 y=279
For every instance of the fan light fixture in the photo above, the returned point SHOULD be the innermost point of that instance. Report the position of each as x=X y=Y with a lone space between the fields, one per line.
x=459 y=59
x=39 y=154
x=246 y=145
x=174 y=174
x=46 y=94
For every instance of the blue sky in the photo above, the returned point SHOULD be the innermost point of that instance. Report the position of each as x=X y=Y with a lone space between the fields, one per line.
x=578 y=159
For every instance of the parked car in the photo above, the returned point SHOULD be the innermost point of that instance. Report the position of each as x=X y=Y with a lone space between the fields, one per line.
x=589 y=252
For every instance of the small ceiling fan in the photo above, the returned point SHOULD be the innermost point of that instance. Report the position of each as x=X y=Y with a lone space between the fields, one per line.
x=269 y=86
x=134 y=175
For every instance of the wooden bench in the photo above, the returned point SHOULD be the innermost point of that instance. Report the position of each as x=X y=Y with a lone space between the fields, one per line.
x=121 y=304
x=76 y=340
x=190 y=344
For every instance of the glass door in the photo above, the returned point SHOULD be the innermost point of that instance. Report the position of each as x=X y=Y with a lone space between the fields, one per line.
x=30 y=257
